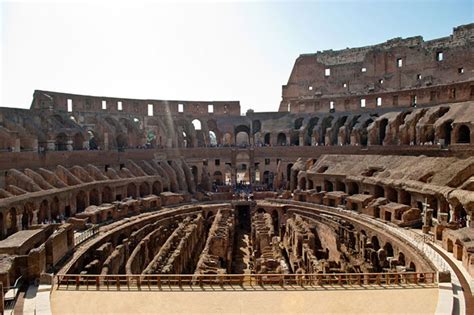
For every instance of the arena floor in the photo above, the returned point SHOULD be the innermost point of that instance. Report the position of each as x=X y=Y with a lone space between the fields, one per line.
x=371 y=301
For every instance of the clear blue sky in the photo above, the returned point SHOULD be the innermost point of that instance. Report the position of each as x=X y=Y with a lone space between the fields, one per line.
x=194 y=51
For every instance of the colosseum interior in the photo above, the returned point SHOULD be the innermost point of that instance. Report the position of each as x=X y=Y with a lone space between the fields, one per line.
x=363 y=178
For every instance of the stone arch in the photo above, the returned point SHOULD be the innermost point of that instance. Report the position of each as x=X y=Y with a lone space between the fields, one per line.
x=61 y=142
x=267 y=139
x=157 y=188
x=242 y=135
x=401 y=259
x=12 y=225
x=28 y=209
x=55 y=208
x=78 y=141
x=122 y=141
x=382 y=130
x=391 y=194
x=340 y=186
x=463 y=134
x=227 y=139
x=107 y=196
x=281 y=139
x=375 y=242
x=212 y=138
x=328 y=186
x=388 y=249
x=302 y=183
x=405 y=198
x=94 y=198
x=44 y=212
x=445 y=131
x=412 y=266
x=364 y=139
x=352 y=188
x=144 y=189
x=132 y=190
x=25 y=219
x=197 y=124
x=81 y=201
x=378 y=191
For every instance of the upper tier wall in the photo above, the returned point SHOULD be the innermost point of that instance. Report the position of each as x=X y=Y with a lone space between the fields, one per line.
x=395 y=71
x=86 y=103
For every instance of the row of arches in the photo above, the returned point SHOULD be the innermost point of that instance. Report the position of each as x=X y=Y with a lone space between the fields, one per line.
x=56 y=208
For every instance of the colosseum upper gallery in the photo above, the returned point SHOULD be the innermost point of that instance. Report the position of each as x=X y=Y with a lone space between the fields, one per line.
x=363 y=179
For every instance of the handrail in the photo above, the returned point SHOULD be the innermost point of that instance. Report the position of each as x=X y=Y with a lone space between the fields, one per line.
x=138 y=281
x=85 y=235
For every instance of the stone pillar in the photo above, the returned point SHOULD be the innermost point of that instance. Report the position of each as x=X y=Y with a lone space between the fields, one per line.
x=16 y=147
x=301 y=138
x=18 y=222
x=69 y=145
x=106 y=141
x=85 y=145
x=35 y=217
x=427 y=220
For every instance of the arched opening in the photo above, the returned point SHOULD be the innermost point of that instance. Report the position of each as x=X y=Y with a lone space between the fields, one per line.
x=93 y=141
x=144 y=189
x=391 y=194
x=55 y=211
x=197 y=124
x=227 y=139
x=401 y=259
x=405 y=198
x=364 y=139
x=464 y=134
x=328 y=186
x=12 y=225
x=81 y=201
x=382 y=130
x=61 y=142
x=122 y=142
x=281 y=139
x=107 y=196
x=94 y=197
x=446 y=130
x=375 y=243
x=212 y=138
x=242 y=139
x=378 y=191
x=340 y=186
x=28 y=209
x=460 y=215
x=353 y=188
x=266 y=139
x=217 y=178
x=302 y=183
x=157 y=188
x=412 y=267
x=43 y=212
x=132 y=190
x=295 y=138
x=78 y=141
x=388 y=249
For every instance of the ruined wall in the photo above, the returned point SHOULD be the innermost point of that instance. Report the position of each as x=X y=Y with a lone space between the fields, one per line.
x=397 y=73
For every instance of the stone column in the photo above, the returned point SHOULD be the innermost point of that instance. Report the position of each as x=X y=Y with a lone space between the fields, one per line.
x=106 y=141
x=69 y=145
x=301 y=138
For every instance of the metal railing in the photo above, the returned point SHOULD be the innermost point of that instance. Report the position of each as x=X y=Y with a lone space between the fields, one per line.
x=87 y=234
x=163 y=281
